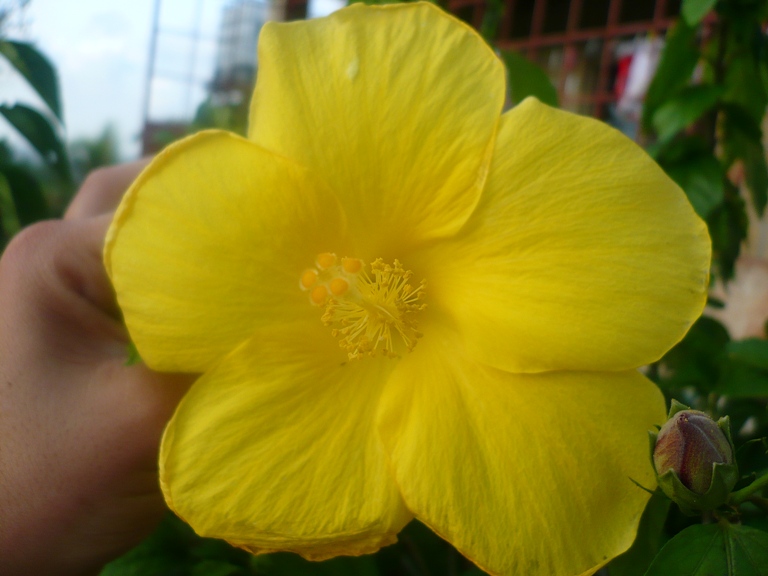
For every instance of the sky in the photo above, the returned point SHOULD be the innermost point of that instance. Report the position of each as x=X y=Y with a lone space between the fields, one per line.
x=100 y=49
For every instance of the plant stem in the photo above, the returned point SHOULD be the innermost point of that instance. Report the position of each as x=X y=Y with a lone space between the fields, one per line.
x=741 y=495
x=760 y=502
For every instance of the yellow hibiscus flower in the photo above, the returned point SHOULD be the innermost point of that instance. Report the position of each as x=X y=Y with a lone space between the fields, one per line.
x=404 y=303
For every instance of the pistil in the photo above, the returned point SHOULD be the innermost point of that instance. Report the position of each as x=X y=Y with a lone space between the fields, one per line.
x=366 y=309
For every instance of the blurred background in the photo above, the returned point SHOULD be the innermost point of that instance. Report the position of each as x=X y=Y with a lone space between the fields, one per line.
x=91 y=83
x=141 y=71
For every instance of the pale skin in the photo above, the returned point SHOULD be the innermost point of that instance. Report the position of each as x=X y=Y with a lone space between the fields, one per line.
x=79 y=430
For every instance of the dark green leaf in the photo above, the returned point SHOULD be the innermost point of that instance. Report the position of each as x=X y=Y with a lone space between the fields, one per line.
x=716 y=303
x=40 y=133
x=742 y=381
x=714 y=550
x=677 y=63
x=284 y=564
x=8 y=216
x=752 y=352
x=175 y=550
x=694 y=10
x=743 y=86
x=420 y=552
x=527 y=79
x=683 y=109
x=701 y=177
x=28 y=197
x=756 y=175
x=635 y=561
x=728 y=225
x=742 y=140
x=696 y=361
x=494 y=11
x=216 y=568
x=38 y=71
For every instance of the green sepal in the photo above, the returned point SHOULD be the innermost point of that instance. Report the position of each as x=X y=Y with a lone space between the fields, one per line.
x=724 y=424
x=724 y=477
x=674 y=408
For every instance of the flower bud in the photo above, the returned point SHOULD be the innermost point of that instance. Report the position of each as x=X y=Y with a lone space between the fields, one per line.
x=690 y=443
x=694 y=459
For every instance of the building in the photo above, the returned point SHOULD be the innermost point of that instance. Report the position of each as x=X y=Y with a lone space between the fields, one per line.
x=236 y=58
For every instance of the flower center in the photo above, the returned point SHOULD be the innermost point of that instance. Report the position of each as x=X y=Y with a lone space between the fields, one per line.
x=365 y=308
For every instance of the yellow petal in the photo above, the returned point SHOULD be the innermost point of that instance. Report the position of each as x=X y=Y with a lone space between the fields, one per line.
x=394 y=106
x=582 y=255
x=210 y=242
x=275 y=449
x=526 y=474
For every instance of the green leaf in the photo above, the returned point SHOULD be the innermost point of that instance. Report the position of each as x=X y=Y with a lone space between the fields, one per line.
x=173 y=549
x=38 y=71
x=28 y=198
x=742 y=139
x=715 y=549
x=216 y=568
x=527 y=79
x=742 y=381
x=744 y=87
x=752 y=352
x=40 y=133
x=701 y=177
x=8 y=216
x=682 y=110
x=494 y=12
x=635 y=561
x=694 y=10
x=420 y=552
x=285 y=564
x=696 y=360
x=133 y=355
x=677 y=63
x=728 y=224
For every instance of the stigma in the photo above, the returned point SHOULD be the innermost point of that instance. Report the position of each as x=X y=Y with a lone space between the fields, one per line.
x=370 y=309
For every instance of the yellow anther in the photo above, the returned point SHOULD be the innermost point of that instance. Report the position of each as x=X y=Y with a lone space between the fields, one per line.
x=308 y=279
x=318 y=295
x=339 y=286
x=351 y=265
x=326 y=260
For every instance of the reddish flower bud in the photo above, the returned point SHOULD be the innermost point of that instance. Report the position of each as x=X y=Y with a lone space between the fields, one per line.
x=690 y=443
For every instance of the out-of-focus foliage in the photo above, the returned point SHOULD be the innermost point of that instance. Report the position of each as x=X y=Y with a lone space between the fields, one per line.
x=703 y=115
x=28 y=194
x=174 y=550
x=87 y=154
x=706 y=105
x=527 y=79
x=231 y=116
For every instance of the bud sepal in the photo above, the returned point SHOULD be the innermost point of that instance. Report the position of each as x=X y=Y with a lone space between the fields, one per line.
x=693 y=457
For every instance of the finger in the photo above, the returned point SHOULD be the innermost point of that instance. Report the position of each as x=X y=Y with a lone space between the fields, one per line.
x=80 y=266
x=57 y=267
x=102 y=190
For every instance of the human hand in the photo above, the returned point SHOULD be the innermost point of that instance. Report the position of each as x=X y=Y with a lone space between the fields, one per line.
x=79 y=430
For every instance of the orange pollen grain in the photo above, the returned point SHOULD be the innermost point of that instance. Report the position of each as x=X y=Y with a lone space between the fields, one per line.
x=308 y=279
x=351 y=265
x=326 y=260
x=339 y=286
x=319 y=295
